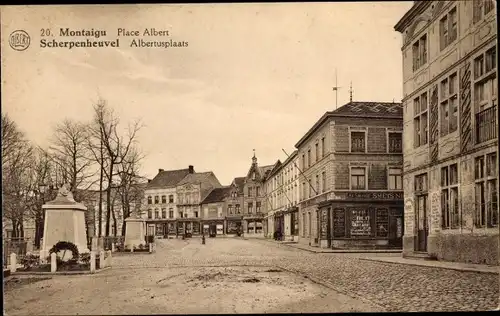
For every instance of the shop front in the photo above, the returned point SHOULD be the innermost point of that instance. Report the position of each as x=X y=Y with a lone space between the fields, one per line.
x=362 y=220
x=188 y=226
x=234 y=225
x=291 y=223
x=213 y=228
x=253 y=227
x=279 y=224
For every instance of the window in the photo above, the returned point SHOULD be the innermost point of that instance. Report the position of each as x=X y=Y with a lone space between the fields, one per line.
x=181 y=215
x=486 y=199
x=163 y=213
x=170 y=198
x=449 y=105
x=150 y=200
x=358 y=142
x=237 y=209
x=250 y=208
x=230 y=209
x=317 y=184
x=185 y=215
x=303 y=190
x=323 y=180
x=150 y=214
x=157 y=199
x=448 y=29
x=485 y=95
x=421 y=183
x=157 y=214
x=395 y=179
x=358 y=178
x=395 y=142
x=308 y=158
x=481 y=8
x=253 y=175
x=450 y=217
x=195 y=213
x=303 y=161
x=316 y=151
x=420 y=120
x=420 y=52
x=257 y=207
x=250 y=191
x=163 y=199
x=322 y=147
x=170 y=213
x=257 y=191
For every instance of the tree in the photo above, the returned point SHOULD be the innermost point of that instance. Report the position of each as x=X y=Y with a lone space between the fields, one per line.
x=112 y=148
x=17 y=175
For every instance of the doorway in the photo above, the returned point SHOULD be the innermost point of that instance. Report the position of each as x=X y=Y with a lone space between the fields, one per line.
x=396 y=228
x=422 y=223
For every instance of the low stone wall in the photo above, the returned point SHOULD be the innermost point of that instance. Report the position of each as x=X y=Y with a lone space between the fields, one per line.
x=465 y=248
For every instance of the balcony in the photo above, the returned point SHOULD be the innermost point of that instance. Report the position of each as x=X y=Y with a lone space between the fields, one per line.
x=486 y=125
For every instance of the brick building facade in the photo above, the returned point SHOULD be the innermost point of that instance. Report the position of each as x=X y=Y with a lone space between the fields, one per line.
x=450 y=122
x=351 y=177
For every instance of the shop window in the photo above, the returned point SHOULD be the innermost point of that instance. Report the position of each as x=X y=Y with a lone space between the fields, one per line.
x=486 y=186
x=339 y=223
x=382 y=222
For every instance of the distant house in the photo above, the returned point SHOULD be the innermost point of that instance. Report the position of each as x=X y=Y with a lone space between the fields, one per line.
x=214 y=211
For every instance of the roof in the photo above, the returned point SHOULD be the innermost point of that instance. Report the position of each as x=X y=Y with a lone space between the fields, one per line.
x=217 y=195
x=264 y=169
x=362 y=109
x=239 y=182
x=275 y=169
x=168 y=178
x=207 y=181
x=418 y=7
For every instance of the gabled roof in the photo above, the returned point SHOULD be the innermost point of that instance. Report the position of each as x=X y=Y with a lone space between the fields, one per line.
x=361 y=109
x=207 y=181
x=168 y=178
x=217 y=195
x=276 y=168
x=239 y=182
x=265 y=169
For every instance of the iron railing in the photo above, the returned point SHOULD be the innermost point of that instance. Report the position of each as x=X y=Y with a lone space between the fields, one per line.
x=486 y=125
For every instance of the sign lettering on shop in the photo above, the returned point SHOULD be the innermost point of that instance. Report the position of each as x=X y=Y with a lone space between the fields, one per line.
x=375 y=195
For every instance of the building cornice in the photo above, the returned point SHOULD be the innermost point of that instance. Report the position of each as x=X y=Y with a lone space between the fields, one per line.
x=417 y=8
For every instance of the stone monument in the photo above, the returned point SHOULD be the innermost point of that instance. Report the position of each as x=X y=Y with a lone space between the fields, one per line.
x=135 y=231
x=64 y=221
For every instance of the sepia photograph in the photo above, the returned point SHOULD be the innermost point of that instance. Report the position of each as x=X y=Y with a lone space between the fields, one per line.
x=250 y=158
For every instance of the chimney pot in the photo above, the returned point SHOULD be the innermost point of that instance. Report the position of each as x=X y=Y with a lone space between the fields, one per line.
x=160 y=170
x=191 y=169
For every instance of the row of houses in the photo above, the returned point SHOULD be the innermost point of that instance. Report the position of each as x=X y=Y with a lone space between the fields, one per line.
x=421 y=174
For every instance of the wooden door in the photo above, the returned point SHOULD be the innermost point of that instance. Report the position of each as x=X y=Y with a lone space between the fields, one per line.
x=422 y=223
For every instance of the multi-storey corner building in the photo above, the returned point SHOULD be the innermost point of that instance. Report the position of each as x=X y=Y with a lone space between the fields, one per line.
x=174 y=201
x=450 y=123
x=234 y=204
x=282 y=192
x=351 y=177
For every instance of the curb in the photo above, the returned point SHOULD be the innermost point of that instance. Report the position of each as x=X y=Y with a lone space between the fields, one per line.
x=434 y=267
x=60 y=272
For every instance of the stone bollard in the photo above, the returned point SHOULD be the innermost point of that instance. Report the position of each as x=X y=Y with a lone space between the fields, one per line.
x=150 y=247
x=110 y=258
x=101 y=259
x=132 y=248
x=53 y=262
x=13 y=262
x=92 y=261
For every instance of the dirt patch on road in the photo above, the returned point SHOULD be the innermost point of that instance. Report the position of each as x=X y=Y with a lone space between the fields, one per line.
x=15 y=282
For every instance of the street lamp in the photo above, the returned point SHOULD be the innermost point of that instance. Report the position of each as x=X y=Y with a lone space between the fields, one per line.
x=42 y=187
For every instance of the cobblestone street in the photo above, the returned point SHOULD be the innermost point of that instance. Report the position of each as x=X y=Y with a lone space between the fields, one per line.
x=359 y=285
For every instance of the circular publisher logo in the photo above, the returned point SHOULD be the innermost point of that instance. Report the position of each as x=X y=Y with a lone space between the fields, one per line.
x=19 y=40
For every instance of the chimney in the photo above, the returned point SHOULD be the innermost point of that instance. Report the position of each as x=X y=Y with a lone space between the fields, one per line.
x=160 y=170
x=191 y=169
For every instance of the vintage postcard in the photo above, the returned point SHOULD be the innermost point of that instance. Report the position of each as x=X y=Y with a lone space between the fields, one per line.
x=250 y=158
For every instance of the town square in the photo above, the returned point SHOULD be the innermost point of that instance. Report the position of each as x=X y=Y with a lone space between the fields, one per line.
x=268 y=166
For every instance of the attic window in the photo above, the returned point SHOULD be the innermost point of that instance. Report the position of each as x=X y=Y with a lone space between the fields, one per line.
x=253 y=175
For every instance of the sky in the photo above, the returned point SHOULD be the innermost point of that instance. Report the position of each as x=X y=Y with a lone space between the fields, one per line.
x=253 y=76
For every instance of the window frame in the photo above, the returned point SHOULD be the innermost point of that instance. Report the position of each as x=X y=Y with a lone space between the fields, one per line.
x=484 y=217
x=448 y=28
x=399 y=174
x=418 y=116
x=420 y=52
x=365 y=135
x=451 y=215
x=479 y=7
x=364 y=168
x=389 y=133
x=448 y=96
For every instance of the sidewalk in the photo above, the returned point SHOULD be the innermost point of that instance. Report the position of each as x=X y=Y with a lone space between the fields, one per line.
x=295 y=244
x=480 y=268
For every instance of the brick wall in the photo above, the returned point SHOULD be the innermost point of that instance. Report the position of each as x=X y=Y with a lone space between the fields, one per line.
x=341 y=175
x=341 y=138
x=377 y=176
x=377 y=140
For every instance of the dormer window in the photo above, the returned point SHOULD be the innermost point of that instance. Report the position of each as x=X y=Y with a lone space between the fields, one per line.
x=253 y=175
